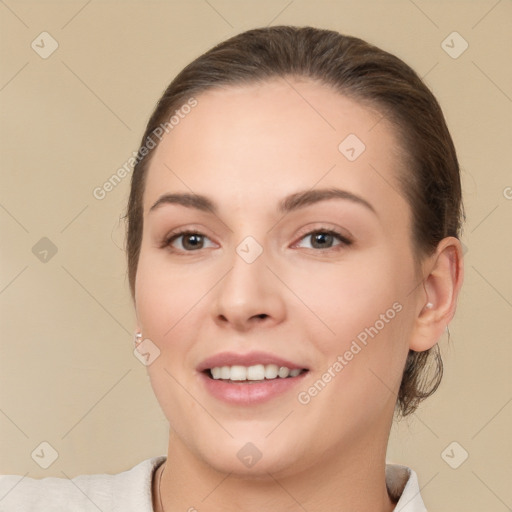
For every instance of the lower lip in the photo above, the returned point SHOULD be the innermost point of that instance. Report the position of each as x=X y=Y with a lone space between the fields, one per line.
x=247 y=392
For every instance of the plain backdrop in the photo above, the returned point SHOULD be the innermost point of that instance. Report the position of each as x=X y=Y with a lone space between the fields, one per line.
x=71 y=118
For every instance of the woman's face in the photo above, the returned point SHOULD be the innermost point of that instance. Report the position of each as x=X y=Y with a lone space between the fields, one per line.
x=275 y=273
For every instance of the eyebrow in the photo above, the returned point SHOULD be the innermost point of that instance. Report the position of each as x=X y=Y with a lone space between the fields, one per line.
x=290 y=203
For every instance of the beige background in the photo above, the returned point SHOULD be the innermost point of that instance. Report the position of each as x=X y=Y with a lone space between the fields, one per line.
x=68 y=374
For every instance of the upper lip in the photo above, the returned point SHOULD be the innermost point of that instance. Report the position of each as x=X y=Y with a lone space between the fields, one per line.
x=248 y=359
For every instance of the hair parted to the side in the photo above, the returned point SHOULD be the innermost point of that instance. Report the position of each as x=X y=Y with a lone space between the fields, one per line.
x=366 y=74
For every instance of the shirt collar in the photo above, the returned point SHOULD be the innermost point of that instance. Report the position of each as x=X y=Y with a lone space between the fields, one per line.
x=402 y=484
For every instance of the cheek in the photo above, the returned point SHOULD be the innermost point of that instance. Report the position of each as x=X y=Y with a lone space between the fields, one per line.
x=361 y=361
x=165 y=296
x=167 y=305
x=359 y=322
x=347 y=297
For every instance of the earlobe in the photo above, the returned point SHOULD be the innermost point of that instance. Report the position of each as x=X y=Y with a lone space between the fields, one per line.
x=443 y=279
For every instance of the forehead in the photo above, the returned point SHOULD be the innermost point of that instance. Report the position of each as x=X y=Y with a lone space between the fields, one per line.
x=254 y=142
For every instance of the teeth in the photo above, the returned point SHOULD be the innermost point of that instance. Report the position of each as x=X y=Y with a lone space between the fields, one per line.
x=284 y=372
x=238 y=373
x=255 y=372
x=271 y=371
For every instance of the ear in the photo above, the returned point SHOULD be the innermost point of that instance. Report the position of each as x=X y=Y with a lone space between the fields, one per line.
x=444 y=273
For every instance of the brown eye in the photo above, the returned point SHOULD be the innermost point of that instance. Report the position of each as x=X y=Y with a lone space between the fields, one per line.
x=192 y=241
x=186 y=241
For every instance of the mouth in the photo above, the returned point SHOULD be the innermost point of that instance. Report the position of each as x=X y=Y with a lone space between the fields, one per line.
x=248 y=379
x=252 y=374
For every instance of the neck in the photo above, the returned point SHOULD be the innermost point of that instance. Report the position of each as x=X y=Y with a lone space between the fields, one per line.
x=354 y=481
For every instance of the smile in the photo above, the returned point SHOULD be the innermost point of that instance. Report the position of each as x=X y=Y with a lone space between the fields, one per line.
x=249 y=378
x=257 y=372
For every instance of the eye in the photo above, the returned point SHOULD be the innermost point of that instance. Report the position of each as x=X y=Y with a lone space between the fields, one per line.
x=191 y=241
x=324 y=239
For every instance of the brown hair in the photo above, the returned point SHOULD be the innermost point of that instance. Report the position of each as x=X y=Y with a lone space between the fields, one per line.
x=365 y=73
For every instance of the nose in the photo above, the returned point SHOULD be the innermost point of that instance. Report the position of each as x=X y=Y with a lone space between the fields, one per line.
x=248 y=295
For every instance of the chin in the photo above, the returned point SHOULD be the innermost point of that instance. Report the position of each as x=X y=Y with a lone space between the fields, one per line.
x=253 y=457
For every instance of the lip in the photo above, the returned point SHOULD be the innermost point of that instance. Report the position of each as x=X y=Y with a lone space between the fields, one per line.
x=249 y=359
x=249 y=392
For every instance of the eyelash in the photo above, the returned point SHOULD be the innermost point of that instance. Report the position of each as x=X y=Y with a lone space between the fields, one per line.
x=344 y=241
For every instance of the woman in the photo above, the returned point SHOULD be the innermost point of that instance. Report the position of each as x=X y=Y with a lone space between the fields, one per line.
x=293 y=257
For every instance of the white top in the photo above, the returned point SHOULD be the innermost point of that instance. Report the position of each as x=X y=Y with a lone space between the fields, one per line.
x=130 y=491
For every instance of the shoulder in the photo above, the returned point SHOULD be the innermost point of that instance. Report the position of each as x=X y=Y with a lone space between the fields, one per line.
x=126 y=491
x=403 y=486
